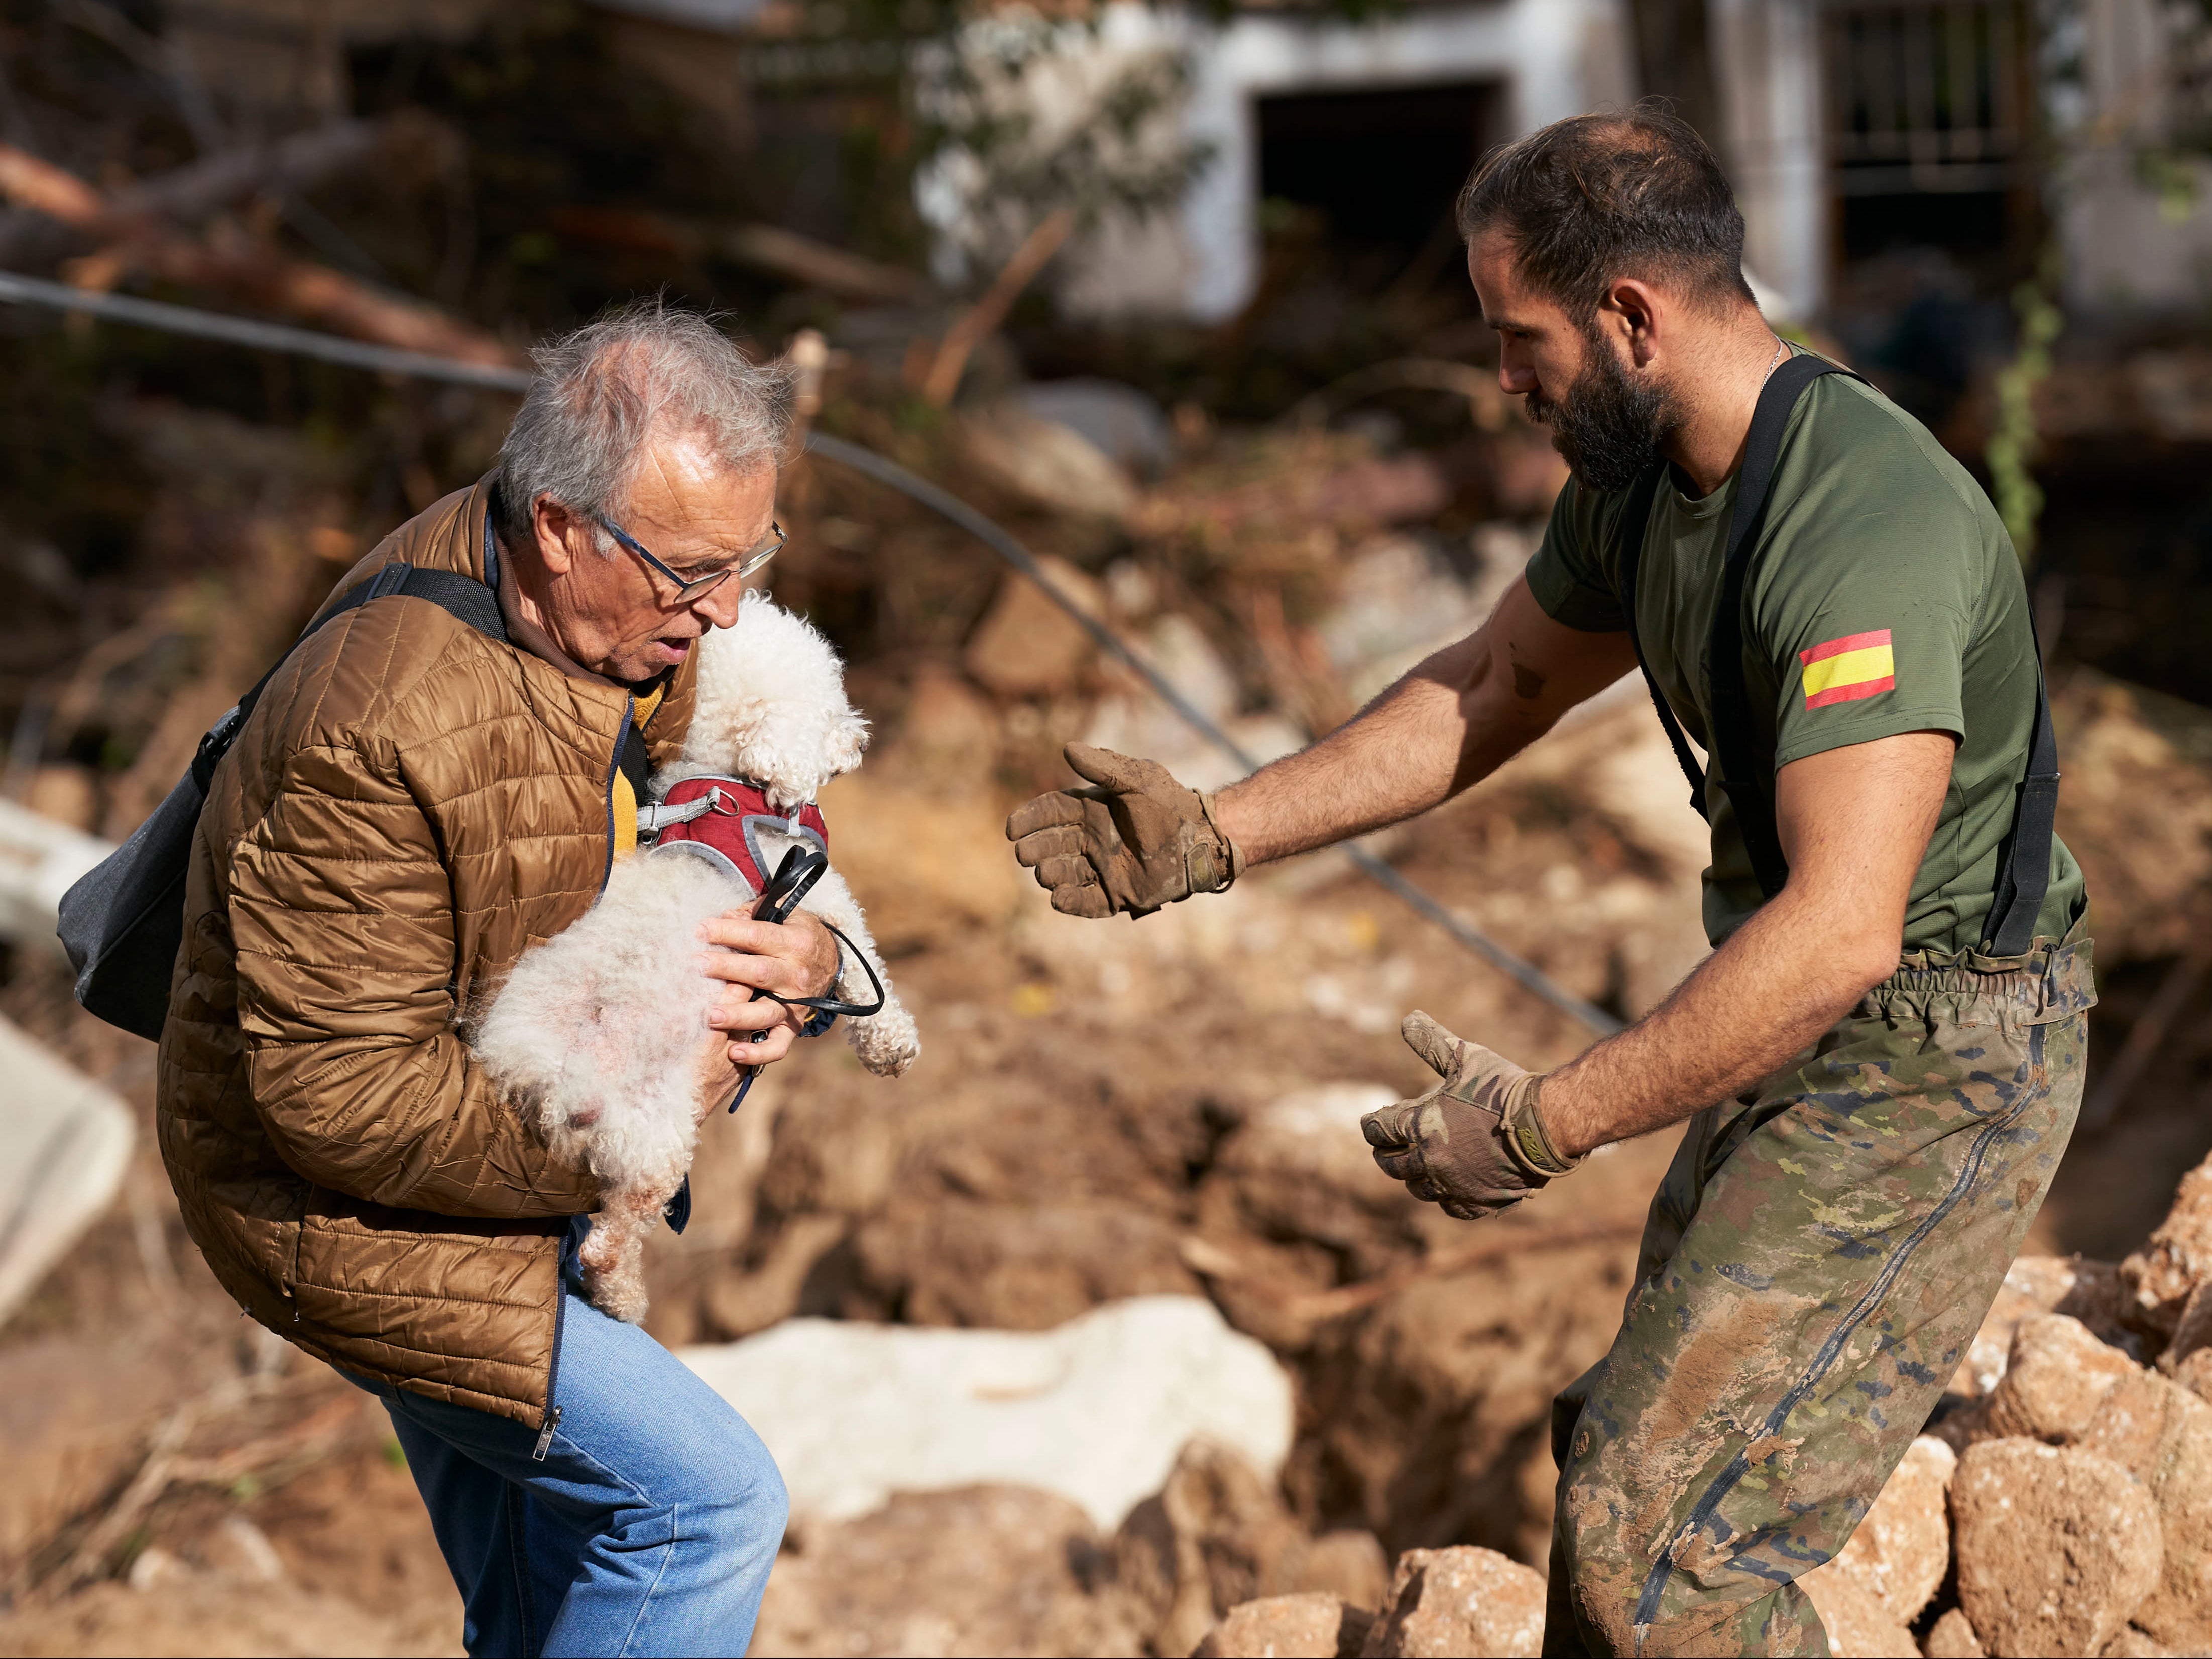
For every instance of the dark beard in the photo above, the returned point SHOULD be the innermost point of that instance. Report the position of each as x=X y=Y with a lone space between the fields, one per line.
x=1608 y=427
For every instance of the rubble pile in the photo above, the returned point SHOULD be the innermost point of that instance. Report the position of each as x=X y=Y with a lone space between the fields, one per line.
x=2060 y=1503
x=1112 y=1113
x=1108 y=1115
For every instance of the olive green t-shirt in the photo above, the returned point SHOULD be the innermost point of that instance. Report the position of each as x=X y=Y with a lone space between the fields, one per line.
x=1883 y=597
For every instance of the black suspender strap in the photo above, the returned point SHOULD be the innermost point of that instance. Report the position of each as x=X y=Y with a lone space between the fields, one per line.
x=1751 y=788
x=1633 y=518
x=1750 y=785
x=2024 y=866
x=2024 y=873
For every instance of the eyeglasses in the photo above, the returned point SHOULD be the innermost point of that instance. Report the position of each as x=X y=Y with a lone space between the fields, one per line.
x=687 y=587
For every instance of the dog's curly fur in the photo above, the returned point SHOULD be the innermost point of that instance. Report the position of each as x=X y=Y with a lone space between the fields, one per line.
x=597 y=1033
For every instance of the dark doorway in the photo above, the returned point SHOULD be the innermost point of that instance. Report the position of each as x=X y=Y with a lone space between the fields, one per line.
x=1381 y=167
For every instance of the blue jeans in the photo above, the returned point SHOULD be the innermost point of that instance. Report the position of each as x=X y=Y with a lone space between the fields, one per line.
x=648 y=1526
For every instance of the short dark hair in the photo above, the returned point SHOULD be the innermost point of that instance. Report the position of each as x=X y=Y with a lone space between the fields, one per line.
x=1594 y=198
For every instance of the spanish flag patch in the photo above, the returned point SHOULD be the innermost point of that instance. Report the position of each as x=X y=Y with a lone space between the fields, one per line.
x=1844 y=671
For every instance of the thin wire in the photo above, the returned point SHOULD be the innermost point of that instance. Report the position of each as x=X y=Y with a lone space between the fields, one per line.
x=260 y=336
x=1524 y=974
x=272 y=337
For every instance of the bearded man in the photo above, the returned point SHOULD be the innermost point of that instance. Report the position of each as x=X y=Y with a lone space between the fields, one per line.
x=1880 y=1061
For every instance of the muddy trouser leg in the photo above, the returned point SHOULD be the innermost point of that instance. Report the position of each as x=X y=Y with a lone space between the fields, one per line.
x=1816 y=1261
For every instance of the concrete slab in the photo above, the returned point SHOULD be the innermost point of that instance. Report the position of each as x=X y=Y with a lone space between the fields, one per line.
x=64 y=1143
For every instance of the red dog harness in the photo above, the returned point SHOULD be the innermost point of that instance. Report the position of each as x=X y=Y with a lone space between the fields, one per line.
x=729 y=821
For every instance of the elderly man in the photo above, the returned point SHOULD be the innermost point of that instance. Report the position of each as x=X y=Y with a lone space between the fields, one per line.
x=411 y=804
x=1880 y=1061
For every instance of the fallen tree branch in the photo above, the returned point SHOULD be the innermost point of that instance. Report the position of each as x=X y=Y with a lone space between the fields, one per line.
x=785 y=254
x=93 y=1555
x=52 y=201
x=982 y=319
x=301 y=288
x=770 y=248
x=46 y=190
x=167 y=1465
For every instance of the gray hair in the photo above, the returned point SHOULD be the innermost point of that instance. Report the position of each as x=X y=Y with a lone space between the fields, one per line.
x=603 y=392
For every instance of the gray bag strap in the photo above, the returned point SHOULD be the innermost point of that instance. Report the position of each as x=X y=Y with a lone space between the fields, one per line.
x=122 y=922
x=464 y=598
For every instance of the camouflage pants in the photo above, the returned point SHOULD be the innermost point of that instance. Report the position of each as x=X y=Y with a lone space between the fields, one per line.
x=1816 y=1261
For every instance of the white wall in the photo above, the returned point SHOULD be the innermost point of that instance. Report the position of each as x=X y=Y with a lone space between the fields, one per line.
x=2127 y=251
x=1553 y=58
x=1768 y=66
x=1540 y=50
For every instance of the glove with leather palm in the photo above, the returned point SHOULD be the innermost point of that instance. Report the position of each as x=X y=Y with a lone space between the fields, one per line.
x=1474 y=1145
x=1134 y=840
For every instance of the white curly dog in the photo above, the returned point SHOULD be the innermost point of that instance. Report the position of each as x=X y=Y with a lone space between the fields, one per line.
x=597 y=1033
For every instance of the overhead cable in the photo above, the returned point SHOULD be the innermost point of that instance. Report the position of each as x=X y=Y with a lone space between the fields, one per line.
x=260 y=336
x=1525 y=973
x=272 y=337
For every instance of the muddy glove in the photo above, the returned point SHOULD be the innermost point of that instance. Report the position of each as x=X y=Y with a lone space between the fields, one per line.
x=1473 y=1145
x=1132 y=842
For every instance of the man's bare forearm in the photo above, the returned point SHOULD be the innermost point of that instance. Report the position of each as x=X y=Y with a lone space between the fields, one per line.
x=1417 y=745
x=1752 y=1006
x=1854 y=823
x=1444 y=727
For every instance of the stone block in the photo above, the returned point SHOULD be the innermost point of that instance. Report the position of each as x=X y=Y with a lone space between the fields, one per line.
x=1096 y=1410
x=2175 y=1260
x=2090 y=1291
x=1859 y=1625
x=1902 y=1549
x=2161 y=1433
x=1460 y=1600
x=1952 y=1638
x=65 y=1143
x=1026 y=646
x=2056 y=1377
x=1311 y=1625
x=2057 y=1547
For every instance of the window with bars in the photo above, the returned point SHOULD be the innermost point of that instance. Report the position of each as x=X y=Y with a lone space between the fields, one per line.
x=1932 y=96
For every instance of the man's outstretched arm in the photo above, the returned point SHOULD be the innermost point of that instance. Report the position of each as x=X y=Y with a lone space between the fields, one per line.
x=1449 y=723
x=1134 y=839
x=1855 y=823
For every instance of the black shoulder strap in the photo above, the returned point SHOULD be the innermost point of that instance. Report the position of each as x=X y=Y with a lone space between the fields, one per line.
x=2024 y=875
x=2024 y=870
x=1750 y=785
x=1633 y=519
x=1731 y=734
x=463 y=597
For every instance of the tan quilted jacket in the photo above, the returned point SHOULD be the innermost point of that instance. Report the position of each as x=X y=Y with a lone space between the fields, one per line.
x=409 y=806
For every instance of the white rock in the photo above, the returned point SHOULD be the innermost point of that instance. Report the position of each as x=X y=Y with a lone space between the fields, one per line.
x=1095 y=1410
x=1311 y=1129
x=1055 y=465
x=39 y=860
x=64 y=1143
